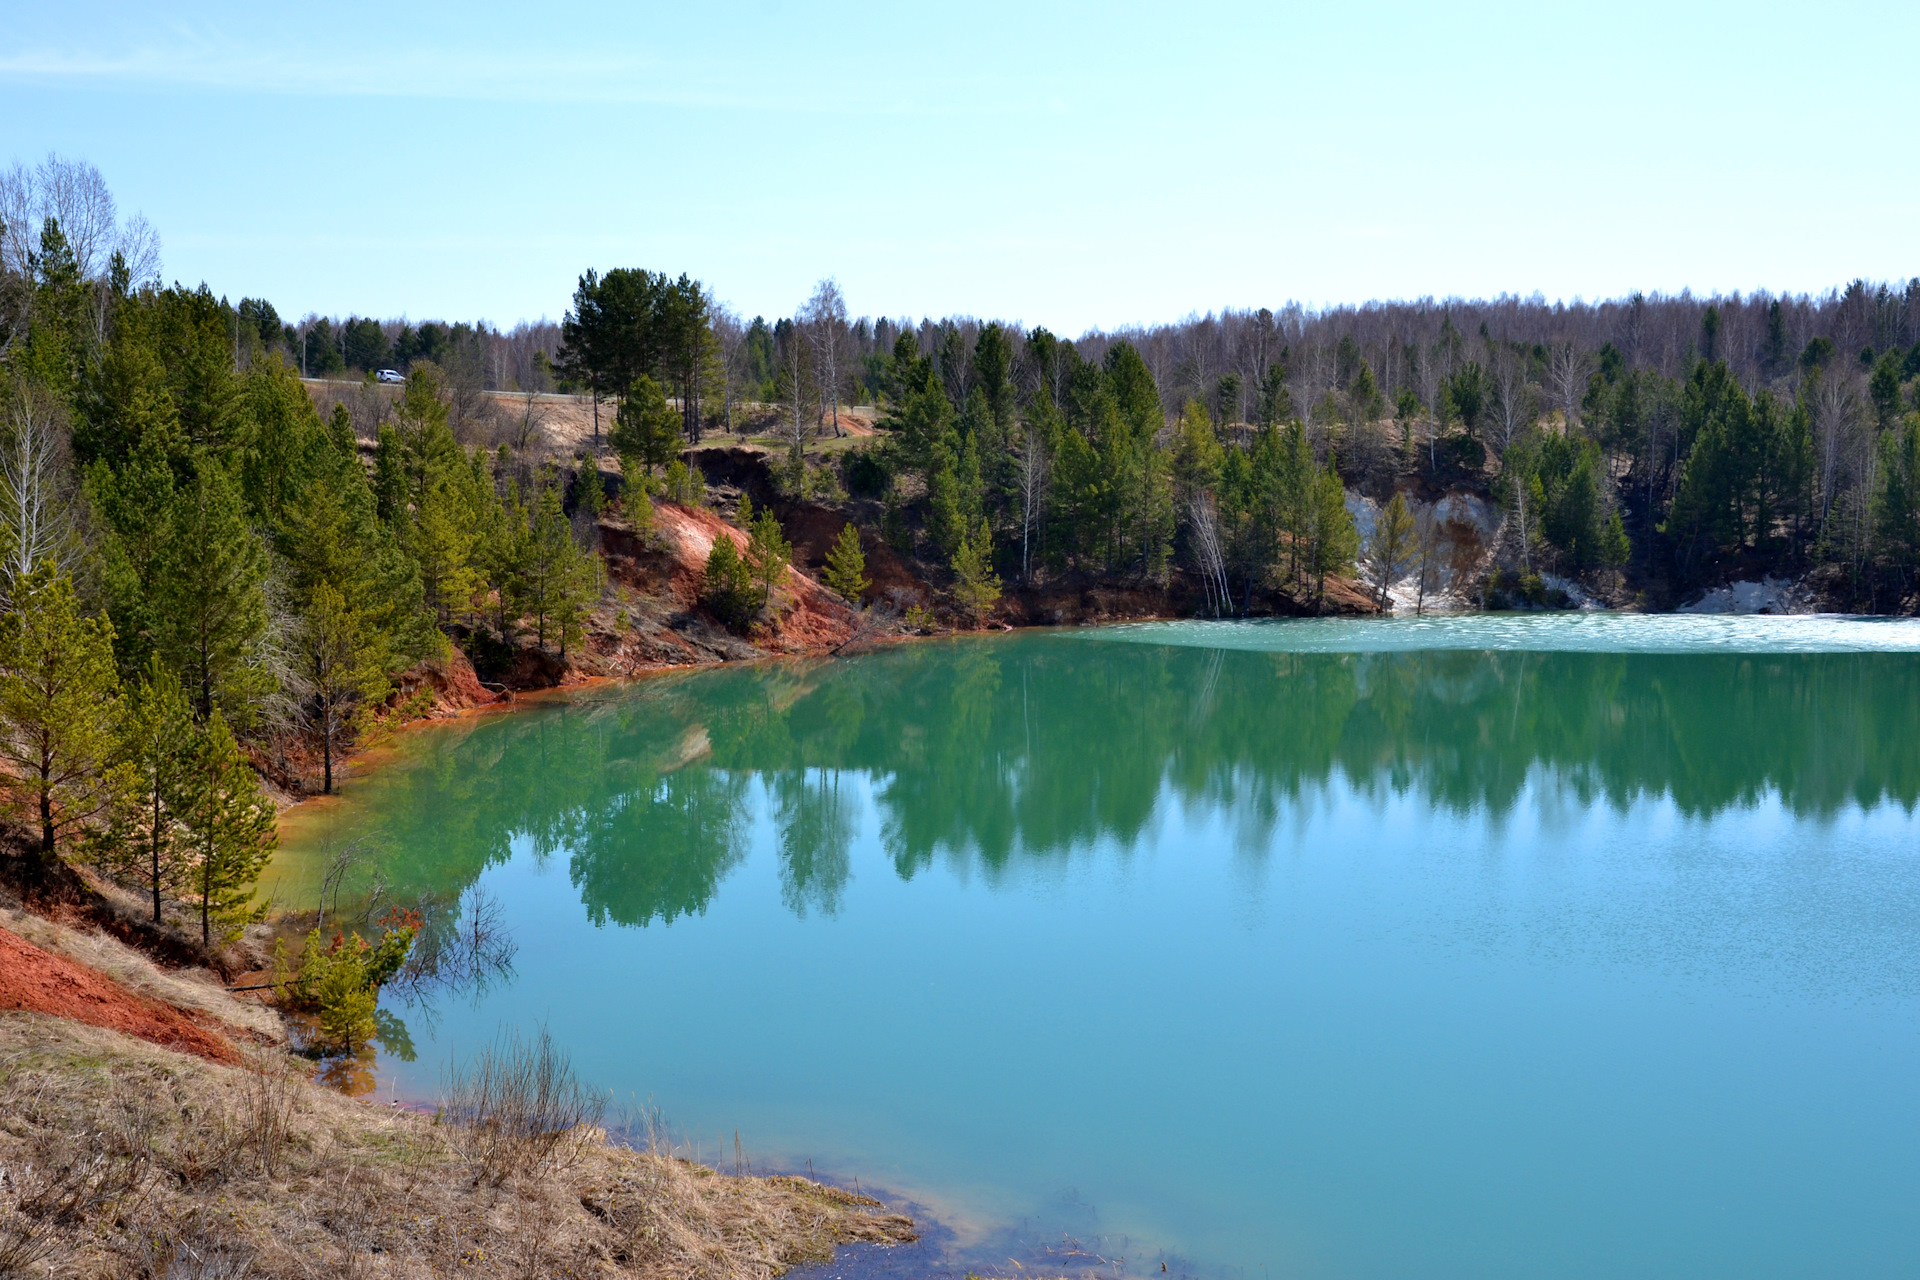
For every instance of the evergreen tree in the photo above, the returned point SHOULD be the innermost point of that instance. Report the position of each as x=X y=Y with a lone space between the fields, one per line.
x=646 y=430
x=1896 y=507
x=768 y=551
x=229 y=830
x=209 y=606
x=154 y=760
x=1331 y=537
x=555 y=581
x=975 y=585
x=1390 y=549
x=1615 y=550
x=846 y=570
x=728 y=588
x=59 y=697
x=344 y=661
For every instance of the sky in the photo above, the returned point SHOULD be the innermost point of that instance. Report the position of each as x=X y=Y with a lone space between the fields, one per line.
x=1073 y=165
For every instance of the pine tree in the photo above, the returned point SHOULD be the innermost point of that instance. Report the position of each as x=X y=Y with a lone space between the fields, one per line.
x=846 y=570
x=153 y=762
x=444 y=542
x=555 y=581
x=976 y=586
x=646 y=430
x=1615 y=550
x=59 y=697
x=209 y=608
x=768 y=551
x=728 y=588
x=1332 y=537
x=1390 y=549
x=344 y=662
x=229 y=831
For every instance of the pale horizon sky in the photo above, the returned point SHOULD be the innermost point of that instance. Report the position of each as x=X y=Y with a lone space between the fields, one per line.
x=1068 y=165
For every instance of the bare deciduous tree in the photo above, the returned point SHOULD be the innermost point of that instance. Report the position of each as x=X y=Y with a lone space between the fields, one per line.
x=824 y=322
x=74 y=194
x=1515 y=404
x=1034 y=470
x=1213 y=564
x=36 y=499
x=799 y=394
x=731 y=337
x=1567 y=369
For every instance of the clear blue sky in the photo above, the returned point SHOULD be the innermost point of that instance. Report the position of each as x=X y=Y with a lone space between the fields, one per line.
x=1071 y=165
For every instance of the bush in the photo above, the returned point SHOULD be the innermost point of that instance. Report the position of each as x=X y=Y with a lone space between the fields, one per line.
x=517 y=1105
x=868 y=472
x=728 y=590
x=339 y=982
x=685 y=485
x=1509 y=590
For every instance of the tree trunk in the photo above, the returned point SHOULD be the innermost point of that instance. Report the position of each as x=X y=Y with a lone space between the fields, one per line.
x=154 y=836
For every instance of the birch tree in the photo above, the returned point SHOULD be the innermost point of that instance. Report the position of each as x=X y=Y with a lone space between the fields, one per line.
x=824 y=321
x=36 y=500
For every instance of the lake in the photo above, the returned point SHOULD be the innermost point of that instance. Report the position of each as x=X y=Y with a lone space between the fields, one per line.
x=1479 y=946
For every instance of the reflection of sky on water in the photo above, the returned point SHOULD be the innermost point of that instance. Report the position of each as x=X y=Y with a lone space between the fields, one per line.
x=1434 y=963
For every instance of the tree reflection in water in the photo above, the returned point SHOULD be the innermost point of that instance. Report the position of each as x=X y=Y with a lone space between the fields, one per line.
x=1031 y=747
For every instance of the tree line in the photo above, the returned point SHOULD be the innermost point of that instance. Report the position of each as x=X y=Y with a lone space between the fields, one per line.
x=203 y=581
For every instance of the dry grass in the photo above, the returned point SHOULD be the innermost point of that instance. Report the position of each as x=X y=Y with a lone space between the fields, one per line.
x=195 y=990
x=120 y=1159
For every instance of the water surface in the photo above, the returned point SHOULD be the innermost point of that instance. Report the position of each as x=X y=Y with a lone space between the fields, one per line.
x=1472 y=947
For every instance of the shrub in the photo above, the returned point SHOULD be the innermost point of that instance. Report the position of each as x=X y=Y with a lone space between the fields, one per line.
x=729 y=591
x=339 y=981
x=868 y=472
x=685 y=485
x=517 y=1105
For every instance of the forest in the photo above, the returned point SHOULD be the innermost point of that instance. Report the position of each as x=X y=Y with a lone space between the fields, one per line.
x=209 y=580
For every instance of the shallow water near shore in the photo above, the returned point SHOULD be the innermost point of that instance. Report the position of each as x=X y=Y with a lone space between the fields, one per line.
x=1467 y=947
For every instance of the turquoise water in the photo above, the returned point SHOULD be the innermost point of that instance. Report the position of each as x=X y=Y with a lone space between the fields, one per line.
x=1477 y=947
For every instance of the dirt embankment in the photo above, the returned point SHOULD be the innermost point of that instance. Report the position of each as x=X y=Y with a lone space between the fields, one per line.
x=36 y=981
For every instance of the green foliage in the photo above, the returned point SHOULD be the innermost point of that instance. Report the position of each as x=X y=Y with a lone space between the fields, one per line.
x=1509 y=590
x=1615 y=550
x=1746 y=468
x=975 y=585
x=1896 y=508
x=729 y=591
x=846 y=570
x=153 y=763
x=1390 y=549
x=228 y=825
x=684 y=485
x=554 y=581
x=646 y=430
x=338 y=981
x=1464 y=397
x=59 y=696
x=207 y=603
x=768 y=551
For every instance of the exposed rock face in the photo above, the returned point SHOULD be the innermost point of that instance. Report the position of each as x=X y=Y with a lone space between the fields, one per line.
x=456 y=686
x=1467 y=527
x=1769 y=595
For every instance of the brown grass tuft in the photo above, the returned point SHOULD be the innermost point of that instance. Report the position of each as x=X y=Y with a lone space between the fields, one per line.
x=119 y=1158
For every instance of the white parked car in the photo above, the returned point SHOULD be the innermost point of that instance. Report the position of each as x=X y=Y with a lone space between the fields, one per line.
x=388 y=375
